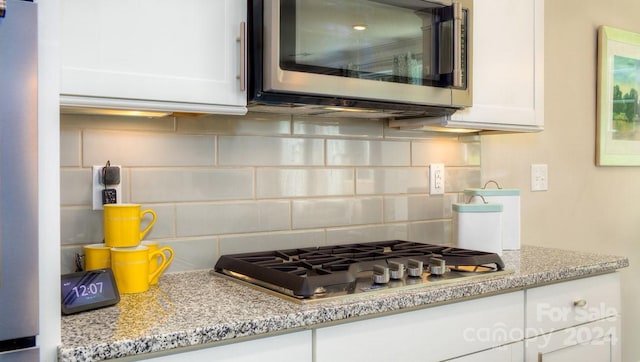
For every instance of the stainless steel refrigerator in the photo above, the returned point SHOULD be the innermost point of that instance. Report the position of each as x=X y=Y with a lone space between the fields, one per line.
x=18 y=181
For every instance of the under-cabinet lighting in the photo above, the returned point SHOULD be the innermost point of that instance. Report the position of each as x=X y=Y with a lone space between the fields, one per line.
x=350 y=109
x=433 y=124
x=359 y=27
x=440 y=129
x=113 y=112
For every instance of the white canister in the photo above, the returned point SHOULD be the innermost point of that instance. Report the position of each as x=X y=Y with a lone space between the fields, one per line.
x=478 y=227
x=510 y=200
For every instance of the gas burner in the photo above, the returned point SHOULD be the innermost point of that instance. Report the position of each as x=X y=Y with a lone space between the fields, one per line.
x=328 y=271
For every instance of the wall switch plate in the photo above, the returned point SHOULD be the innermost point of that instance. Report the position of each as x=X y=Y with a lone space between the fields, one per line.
x=98 y=188
x=539 y=177
x=436 y=179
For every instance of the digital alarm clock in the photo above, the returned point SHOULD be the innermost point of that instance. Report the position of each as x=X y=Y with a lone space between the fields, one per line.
x=88 y=290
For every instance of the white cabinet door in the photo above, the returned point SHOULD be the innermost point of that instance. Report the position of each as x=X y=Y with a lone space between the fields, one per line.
x=293 y=347
x=508 y=67
x=153 y=54
x=557 y=306
x=577 y=320
x=508 y=353
x=430 y=334
x=592 y=342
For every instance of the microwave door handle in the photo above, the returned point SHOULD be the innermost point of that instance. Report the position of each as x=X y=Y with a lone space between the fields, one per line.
x=457 y=45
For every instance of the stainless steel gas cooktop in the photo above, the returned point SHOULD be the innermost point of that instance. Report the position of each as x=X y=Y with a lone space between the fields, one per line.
x=318 y=273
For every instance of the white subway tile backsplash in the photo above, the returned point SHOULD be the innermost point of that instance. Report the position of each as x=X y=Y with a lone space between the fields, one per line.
x=413 y=208
x=370 y=181
x=164 y=226
x=367 y=233
x=147 y=149
x=270 y=151
x=336 y=212
x=80 y=225
x=304 y=182
x=76 y=186
x=447 y=151
x=70 y=148
x=191 y=254
x=316 y=126
x=249 y=124
x=234 y=244
x=432 y=232
x=230 y=184
x=367 y=153
x=459 y=178
x=229 y=218
x=178 y=185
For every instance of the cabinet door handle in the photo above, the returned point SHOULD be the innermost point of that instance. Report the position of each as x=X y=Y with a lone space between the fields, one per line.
x=580 y=303
x=242 y=39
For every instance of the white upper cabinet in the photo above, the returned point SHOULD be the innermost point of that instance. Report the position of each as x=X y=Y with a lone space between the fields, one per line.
x=508 y=67
x=180 y=56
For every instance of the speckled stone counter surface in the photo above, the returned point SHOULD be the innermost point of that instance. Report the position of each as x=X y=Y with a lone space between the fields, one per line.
x=193 y=308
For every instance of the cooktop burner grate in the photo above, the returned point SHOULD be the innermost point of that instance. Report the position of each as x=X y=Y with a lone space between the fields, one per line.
x=302 y=272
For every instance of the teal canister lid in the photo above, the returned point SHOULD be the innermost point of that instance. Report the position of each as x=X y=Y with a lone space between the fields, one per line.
x=488 y=207
x=492 y=192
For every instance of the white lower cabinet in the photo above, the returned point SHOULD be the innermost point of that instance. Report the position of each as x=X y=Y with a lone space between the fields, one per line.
x=596 y=341
x=574 y=321
x=507 y=353
x=292 y=347
x=430 y=334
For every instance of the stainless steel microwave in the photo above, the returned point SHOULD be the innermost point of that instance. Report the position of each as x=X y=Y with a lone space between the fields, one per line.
x=383 y=58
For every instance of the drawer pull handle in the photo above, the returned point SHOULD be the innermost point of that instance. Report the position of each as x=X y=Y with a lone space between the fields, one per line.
x=580 y=303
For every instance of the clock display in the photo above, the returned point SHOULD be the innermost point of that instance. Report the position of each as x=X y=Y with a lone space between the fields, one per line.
x=88 y=290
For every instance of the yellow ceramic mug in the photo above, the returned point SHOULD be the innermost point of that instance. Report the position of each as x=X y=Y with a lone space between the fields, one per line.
x=155 y=262
x=97 y=256
x=122 y=224
x=131 y=268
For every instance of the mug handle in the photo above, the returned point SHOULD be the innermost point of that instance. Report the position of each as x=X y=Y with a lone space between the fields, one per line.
x=170 y=253
x=163 y=265
x=146 y=230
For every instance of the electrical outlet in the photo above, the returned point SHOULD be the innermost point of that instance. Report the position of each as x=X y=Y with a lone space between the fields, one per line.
x=113 y=192
x=436 y=179
x=539 y=177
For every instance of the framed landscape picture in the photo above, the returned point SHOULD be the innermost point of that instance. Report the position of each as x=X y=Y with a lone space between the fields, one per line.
x=618 y=128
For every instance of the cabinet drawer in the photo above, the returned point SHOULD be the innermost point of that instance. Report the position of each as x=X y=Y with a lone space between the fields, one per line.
x=595 y=341
x=431 y=334
x=563 y=305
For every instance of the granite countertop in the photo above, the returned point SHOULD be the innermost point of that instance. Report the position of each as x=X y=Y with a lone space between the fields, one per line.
x=194 y=308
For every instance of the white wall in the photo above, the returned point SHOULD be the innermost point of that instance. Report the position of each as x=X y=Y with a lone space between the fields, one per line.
x=587 y=207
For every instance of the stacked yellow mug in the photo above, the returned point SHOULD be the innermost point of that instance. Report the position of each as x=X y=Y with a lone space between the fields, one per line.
x=136 y=264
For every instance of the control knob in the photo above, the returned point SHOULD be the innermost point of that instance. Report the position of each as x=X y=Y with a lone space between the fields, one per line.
x=396 y=269
x=380 y=274
x=415 y=268
x=437 y=266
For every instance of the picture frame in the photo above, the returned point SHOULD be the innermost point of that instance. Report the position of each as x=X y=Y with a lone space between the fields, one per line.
x=618 y=89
